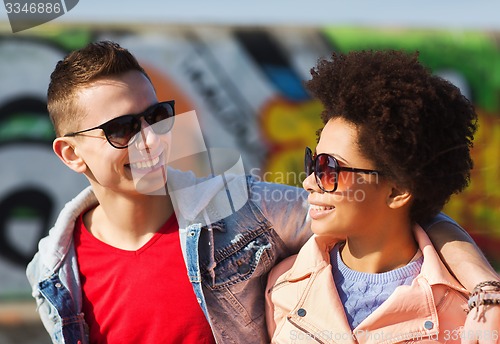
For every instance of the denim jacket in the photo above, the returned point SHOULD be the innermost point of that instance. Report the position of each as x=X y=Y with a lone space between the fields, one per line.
x=228 y=254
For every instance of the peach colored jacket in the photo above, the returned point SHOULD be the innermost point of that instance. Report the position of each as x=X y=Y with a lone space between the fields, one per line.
x=303 y=306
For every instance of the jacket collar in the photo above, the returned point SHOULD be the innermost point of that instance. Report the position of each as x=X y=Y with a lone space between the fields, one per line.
x=315 y=254
x=54 y=248
x=433 y=268
x=205 y=200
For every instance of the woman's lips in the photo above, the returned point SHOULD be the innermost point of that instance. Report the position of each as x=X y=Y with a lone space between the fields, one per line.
x=317 y=211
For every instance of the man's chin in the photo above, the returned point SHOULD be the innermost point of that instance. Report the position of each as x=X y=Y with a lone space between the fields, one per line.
x=153 y=183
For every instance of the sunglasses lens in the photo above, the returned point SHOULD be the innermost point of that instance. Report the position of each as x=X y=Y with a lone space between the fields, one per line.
x=120 y=130
x=326 y=171
x=161 y=118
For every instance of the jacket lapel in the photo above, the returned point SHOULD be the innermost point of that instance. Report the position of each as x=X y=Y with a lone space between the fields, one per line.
x=312 y=267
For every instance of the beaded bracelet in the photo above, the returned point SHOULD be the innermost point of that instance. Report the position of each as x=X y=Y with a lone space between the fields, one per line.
x=493 y=284
x=484 y=299
x=484 y=294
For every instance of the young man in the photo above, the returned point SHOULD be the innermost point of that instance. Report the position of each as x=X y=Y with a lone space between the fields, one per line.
x=117 y=267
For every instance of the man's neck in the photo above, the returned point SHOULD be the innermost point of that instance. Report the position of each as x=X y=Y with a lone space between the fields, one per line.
x=127 y=221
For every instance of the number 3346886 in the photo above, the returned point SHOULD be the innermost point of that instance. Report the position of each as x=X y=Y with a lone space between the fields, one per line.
x=33 y=8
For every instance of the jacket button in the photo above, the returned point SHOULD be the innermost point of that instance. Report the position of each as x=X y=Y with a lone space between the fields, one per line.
x=429 y=325
x=301 y=312
x=58 y=285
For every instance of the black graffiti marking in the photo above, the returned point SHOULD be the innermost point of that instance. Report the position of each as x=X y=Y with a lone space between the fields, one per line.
x=27 y=107
x=267 y=53
x=28 y=203
x=225 y=101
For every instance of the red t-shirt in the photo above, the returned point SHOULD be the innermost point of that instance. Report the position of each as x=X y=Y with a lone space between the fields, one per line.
x=141 y=296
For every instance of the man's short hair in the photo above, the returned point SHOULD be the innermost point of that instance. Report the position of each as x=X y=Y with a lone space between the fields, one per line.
x=78 y=70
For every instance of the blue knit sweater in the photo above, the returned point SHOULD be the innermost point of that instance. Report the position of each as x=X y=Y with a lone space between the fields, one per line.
x=362 y=293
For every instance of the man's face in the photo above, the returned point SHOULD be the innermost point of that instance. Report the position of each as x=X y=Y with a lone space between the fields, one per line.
x=136 y=169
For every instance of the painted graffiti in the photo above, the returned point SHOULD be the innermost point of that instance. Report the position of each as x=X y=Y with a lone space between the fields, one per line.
x=246 y=88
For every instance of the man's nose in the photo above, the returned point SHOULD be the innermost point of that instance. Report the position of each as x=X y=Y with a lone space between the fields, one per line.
x=148 y=137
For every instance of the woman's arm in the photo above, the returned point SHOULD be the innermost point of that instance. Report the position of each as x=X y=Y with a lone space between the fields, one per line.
x=461 y=255
x=465 y=260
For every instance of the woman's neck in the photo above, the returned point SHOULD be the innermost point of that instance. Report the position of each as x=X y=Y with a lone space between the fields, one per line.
x=381 y=249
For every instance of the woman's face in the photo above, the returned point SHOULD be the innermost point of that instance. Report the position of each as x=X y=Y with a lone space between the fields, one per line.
x=359 y=200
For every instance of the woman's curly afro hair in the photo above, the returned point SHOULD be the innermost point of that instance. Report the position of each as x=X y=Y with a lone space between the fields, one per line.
x=416 y=127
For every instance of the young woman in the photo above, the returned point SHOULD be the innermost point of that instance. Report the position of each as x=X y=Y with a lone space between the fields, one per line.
x=395 y=146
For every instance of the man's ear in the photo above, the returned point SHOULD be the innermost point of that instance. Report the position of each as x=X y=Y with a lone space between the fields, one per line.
x=66 y=151
x=398 y=197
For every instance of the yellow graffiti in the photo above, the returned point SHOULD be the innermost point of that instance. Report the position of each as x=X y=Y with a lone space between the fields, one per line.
x=289 y=127
x=478 y=207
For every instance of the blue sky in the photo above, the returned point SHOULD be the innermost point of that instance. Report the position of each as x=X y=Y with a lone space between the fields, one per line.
x=458 y=13
x=479 y=14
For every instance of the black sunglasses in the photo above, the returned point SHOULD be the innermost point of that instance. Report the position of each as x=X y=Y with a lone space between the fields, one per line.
x=121 y=131
x=326 y=170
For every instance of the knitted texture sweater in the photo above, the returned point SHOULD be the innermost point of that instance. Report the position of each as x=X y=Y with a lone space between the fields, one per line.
x=362 y=293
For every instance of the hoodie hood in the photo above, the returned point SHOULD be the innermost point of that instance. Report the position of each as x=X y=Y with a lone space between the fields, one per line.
x=53 y=248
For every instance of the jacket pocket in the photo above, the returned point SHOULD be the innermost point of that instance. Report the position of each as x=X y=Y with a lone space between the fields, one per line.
x=248 y=255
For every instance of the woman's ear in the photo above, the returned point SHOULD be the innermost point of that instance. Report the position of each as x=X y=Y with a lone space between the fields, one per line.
x=398 y=198
x=65 y=149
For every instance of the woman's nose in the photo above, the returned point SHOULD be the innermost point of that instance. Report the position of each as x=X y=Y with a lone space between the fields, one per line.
x=309 y=184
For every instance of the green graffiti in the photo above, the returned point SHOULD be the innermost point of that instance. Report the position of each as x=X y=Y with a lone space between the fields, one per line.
x=25 y=125
x=474 y=55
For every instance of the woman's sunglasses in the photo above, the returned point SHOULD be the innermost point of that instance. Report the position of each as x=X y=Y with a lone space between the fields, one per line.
x=121 y=131
x=326 y=170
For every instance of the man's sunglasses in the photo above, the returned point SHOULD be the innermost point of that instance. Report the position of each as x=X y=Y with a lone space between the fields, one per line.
x=121 y=131
x=326 y=170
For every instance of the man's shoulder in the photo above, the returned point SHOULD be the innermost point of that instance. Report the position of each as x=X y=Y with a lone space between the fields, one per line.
x=272 y=192
x=54 y=247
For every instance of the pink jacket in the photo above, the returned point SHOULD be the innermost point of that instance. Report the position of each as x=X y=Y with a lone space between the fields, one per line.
x=303 y=305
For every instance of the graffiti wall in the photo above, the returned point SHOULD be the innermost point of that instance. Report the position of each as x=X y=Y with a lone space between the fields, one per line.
x=246 y=87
